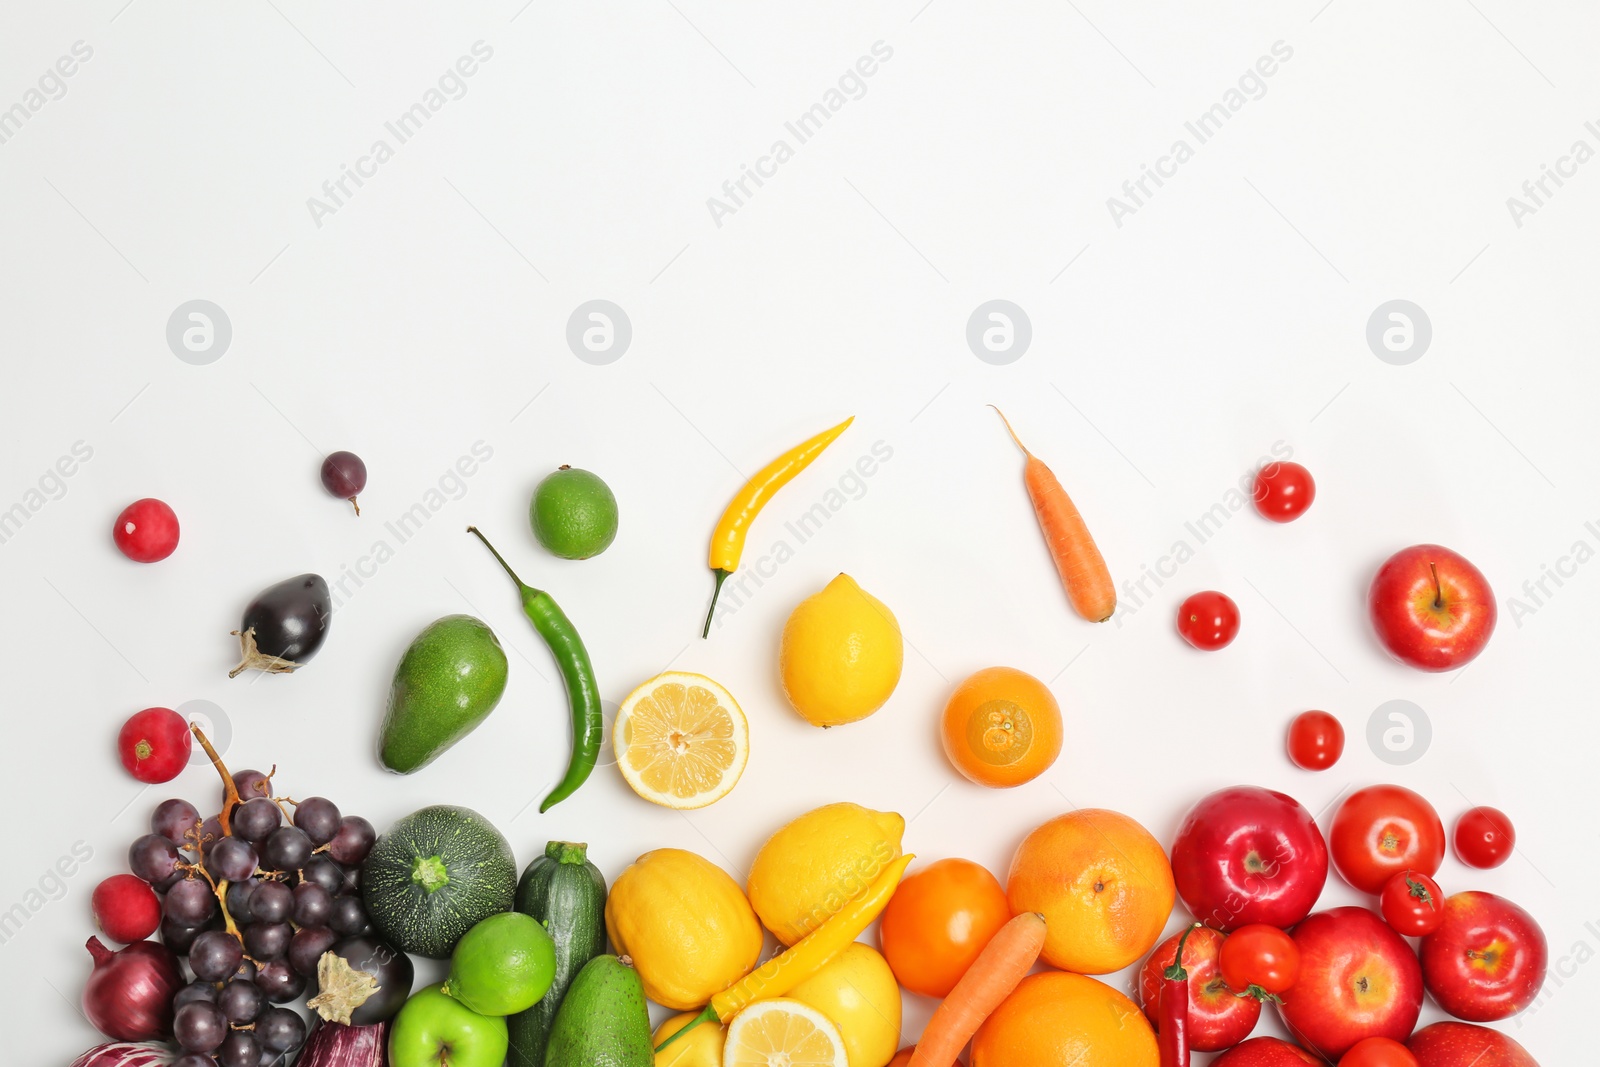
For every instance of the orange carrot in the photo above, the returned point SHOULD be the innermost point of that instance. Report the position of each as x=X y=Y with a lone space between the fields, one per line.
x=1078 y=560
x=1004 y=962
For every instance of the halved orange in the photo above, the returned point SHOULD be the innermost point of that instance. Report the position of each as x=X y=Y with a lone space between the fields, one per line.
x=681 y=740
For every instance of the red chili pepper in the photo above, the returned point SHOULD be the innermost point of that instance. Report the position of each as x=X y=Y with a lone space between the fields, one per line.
x=1172 y=1034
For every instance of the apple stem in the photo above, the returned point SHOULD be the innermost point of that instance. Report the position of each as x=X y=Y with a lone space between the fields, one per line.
x=1438 y=590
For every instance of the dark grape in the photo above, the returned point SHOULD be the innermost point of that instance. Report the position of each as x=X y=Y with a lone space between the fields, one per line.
x=239 y=1049
x=307 y=947
x=239 y=894
x=173 y=819
x=199 y=1027
x=215 y=955
x=271 y=902
x=153 y=858
x=241 y=1001
x=232 y=860
x=210 y=833
x=267 y=941
x=202 y=991
x=178 y=936
x=313 y=905
x=324 y=872
x=251 y=784
x=280 y=1029
x=280 y=982
x=349 y=917
x=353 y=841
x=352 y=880
x=189 y=902
x=246 y=970
x=194 y=1059
x=287 y=849
x=319 y=818
x=255 y=819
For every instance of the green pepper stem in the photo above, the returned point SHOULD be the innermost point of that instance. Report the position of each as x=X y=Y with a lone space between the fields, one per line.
x=707 y=1016
x=498 y=557
x=722 y=576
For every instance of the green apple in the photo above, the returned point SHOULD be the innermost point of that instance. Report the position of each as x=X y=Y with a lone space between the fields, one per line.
x=433 y=1030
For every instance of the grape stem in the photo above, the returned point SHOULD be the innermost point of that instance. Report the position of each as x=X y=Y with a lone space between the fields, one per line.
x=230 y=800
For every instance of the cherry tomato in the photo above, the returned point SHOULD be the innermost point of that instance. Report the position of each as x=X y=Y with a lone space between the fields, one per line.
x=1484 y=838
x=1208 y=620
x=1316 y=741
x=1382 y=830
x=1412 y=904
x=937 y=922
x=1259 y=959
x=1378 y=1052
x=1284 y=491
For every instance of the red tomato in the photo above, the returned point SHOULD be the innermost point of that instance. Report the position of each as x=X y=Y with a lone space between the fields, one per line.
x=1316 y=741
x=1484 y=838
x=1284 y=491
x=1377 y=1052
x=1382 y=830
x=937 y=922
x=1259 y=956
x=1208 y=620
x=1412 y=904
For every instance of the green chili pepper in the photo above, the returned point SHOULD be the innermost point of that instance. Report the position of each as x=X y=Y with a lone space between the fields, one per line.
x=583 y=694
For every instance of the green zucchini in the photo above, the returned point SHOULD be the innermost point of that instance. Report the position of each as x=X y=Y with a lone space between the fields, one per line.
x=566 y=893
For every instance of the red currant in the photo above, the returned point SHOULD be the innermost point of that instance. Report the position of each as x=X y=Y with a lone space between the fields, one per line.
x=1284 y=491
x=1208 y=620
x=146 y=531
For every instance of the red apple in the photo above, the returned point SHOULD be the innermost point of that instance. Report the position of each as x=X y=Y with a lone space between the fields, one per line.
x=1249 y=855
x=1217 y=1018
x=1487 y=959
x=1358 y=978
x=1265 y=1052
x=1466 y=1045
x=1431 y=608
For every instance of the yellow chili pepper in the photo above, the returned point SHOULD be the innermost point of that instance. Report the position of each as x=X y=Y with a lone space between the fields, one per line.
x=805 y=957
x=727 y=541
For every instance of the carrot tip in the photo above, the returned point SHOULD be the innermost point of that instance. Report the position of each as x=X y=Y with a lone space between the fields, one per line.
x=1014 y=438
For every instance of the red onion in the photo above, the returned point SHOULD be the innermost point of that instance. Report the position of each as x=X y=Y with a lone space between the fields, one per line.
x=336 y=1045
x=129 y=994
x=127 y=1054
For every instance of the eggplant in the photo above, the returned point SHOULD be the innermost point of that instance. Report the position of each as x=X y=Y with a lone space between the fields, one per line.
x=284 y=626
x=361 y=981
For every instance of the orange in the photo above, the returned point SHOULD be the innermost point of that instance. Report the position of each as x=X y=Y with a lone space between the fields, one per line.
x=1103 y=885
x=1002 y=727
x=903 y=1057
x=1054 y=1019
x=938 y=921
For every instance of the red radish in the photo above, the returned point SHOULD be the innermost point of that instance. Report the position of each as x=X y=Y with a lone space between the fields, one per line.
x=126 y=909
x=155 y=744
x=126 y=1054
x=146 y=531
x=128 y=996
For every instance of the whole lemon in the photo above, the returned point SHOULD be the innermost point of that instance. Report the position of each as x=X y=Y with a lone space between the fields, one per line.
x=841 y=654
x=685 y=923
x=858 y=993
x=700 y=1047
x=812 y=867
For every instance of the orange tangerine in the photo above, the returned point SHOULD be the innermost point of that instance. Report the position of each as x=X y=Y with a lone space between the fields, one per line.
x=1001 y=727
x=1054 y=1019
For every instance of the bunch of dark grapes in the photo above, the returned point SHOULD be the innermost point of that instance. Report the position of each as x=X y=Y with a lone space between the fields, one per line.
x=253 y=909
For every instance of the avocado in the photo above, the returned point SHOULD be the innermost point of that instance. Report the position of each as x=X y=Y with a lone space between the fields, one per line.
x=447 y=682
x=603 y=1021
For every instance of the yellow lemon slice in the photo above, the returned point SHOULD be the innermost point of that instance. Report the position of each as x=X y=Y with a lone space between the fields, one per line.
x=783 y=1033
x=681 y=740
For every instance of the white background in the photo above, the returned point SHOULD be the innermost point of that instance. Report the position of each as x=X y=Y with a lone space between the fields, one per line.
x=428 y=313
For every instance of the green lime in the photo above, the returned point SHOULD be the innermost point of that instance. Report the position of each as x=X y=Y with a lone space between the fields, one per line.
x=503 y=965
x=573 y=514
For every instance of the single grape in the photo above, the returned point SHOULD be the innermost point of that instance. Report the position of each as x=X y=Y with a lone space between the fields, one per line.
x=349 y=917
x=201 y=991
x=239 y=894
x=353 y=841
x=246 y=970
x=280 y=982
x=189 y=902
x=210 y=833
x=287 y=849
x=344 y=475
x=173 y=819
x=199 y=1027
x=239 y=1049
x=251 y=784
x=153 y=858
x=313 y=905
x=271 y=902
x=232 y=860
x=266 y=941
x=194 y=1059
x=241 y=1001
x=215 y=955
x=319 y=818
x=255 y=819
x=324 y=872
x=280 y=1030
x=352 y=880
x=179 y=936
x=307 y=947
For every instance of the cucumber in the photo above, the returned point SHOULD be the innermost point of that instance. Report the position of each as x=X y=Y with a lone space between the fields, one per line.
x=566 y=893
